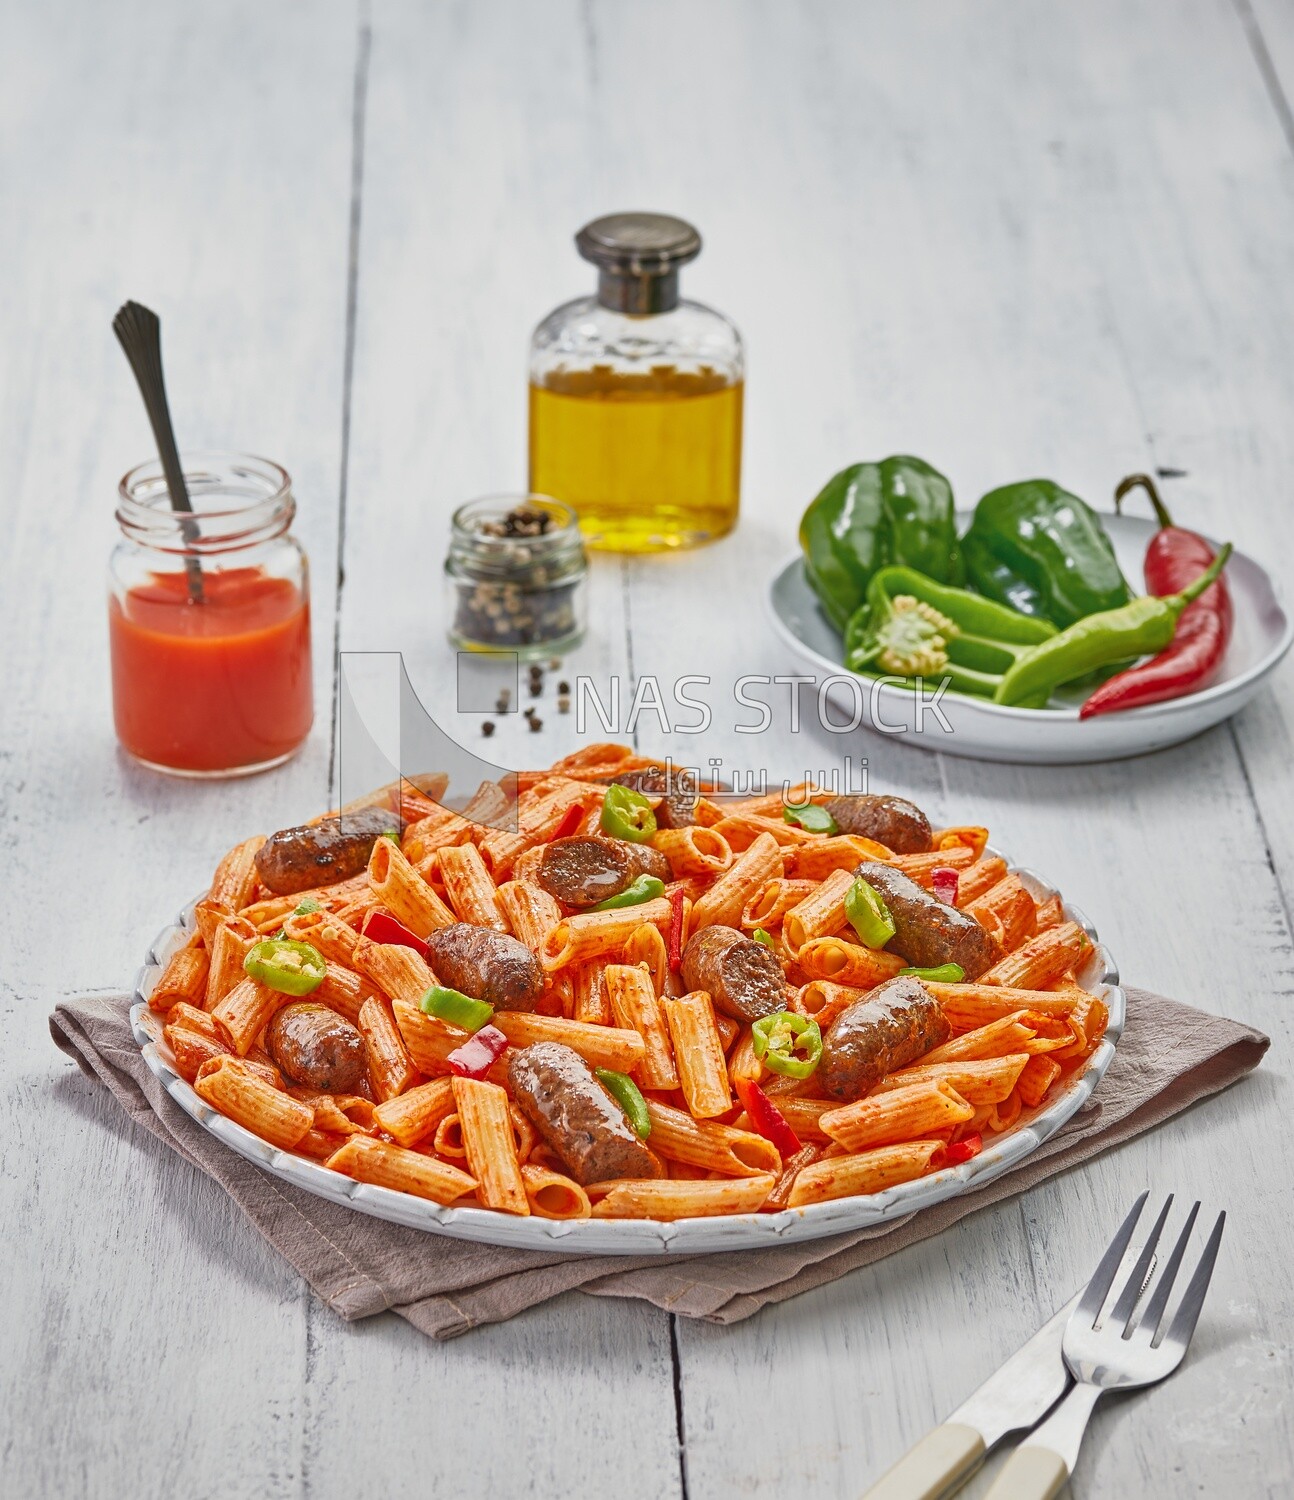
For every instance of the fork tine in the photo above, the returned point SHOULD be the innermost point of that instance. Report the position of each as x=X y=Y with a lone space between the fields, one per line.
x=1094 y=1296
x=1183 y=1324
x=1154 y=1313
x=1136 y=1282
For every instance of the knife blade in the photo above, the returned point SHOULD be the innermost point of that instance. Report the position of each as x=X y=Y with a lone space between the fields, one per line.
x=1018 y=1394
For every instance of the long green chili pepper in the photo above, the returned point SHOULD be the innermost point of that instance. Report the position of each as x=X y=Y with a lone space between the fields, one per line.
x=627 y=814
x=456 y=1008
x=868 y=914
x=627 y=1095
x=645 y=888
x=940 y=974
x=1141 y=628
x=285 y=965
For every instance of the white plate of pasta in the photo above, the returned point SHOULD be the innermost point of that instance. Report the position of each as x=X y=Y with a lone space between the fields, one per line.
x=768 y=1026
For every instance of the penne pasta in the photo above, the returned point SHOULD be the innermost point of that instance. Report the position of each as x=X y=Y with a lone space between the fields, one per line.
x=921 y=867
x=552 y=1195
x=208 y=916
x=823 y=1001
x=845 y=851
x=437 y=830
x=698 y=1054
x=646 y=947
x=701 y=1143
x=529 y=910
x=965 y=836
x=343 y=990
x=470 y=888
x=183 y=981
x=235 y=879
x=491 y=1148
x=245 y=1012
x=906 y=1114
x=1037 y=1076
x=590 y=1001
x=803 y=1115
x=413 y=1116
x=724 y=902
x=599 y=934
x=681 y=1200
x=399 y=972
x=982 y=876
x=844 y=961
x=399 y=889
x=997 y=1038
x=819 y=914
x=334 y=939
x=190 y=1049
x=230 y=943
x=636 y=1007
x=1042 y=959
x=1006 y=911
x=694 y=850
x=378 y=1162
x=766 y=908
x=617 y=1048
x=867 y=1172
x=241 y=1094
x=390 y=1067
x=740 y=830
x=986 y=1080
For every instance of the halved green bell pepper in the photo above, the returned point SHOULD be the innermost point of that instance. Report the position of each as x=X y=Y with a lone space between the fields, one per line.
x=870 y=515
x=1042 y=551
x=912 y=627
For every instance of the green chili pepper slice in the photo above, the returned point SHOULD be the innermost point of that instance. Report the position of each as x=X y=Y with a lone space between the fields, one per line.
x=307 y=907
x=627 y=814
x=868 y=914
x=787 y=1043
x=391 y=833
x=941 y=974
x=282 y=964
x=810 y=816
x=627 y=1096
x=762 y=935
x=456 y=1008
x=645 y=888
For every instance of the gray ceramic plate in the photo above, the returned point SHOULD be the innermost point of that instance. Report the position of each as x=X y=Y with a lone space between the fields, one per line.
x=978 y=728
x=639 y=1236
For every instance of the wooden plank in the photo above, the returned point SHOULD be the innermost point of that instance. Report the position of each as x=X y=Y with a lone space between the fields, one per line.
x=474 y=124
x=959 y=238
x=200 y=163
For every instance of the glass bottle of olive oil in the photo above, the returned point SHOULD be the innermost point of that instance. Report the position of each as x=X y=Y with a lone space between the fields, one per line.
x=636 y=396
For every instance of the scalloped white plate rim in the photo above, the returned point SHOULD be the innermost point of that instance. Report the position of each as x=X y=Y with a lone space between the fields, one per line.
x=694 y=1236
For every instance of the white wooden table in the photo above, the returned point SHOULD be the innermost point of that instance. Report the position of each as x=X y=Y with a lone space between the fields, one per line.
x=1012 y=238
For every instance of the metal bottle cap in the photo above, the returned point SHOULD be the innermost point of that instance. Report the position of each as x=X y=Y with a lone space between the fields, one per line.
x=638 y=256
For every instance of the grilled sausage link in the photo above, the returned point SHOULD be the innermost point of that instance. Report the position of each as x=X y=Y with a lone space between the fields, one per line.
x=586 y=869
x=897 y=1023
x=742 y=977
x=926 y=931
x=486 y=965
x=898 y=824
x=676 y=788
x=314 y=854
x=577 y=1117
x=314 y=1046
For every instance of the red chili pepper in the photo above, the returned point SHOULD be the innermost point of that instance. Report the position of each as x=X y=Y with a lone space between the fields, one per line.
x=675 y=945
x=963 y=1150
x=945 y=884
x=478 y=1055
x=571 y=820
x=381 y=927
x=766 y=1118
x=1174 y=559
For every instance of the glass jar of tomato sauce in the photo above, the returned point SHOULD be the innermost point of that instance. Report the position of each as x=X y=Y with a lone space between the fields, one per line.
x=209 y=619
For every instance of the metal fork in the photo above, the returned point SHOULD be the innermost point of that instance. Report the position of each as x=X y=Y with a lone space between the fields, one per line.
x=1122 y=1353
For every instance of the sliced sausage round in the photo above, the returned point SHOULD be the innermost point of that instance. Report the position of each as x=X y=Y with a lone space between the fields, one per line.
x=676 y=788
x=586 y=869
x=576 y=1116
x=896 y=1024
x=742 y=977
x=489 y=966
x=898 y=824
x=926 y=931
x=314 y=854
x=314 y=1046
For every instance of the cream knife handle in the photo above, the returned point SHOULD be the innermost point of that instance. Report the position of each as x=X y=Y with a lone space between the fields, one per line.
x=942 y=1461
x=1040 y=1467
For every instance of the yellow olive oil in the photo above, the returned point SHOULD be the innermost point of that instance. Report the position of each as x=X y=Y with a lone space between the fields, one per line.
x=648 y=461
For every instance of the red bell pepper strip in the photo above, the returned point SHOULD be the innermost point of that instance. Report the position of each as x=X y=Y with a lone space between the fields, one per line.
x=478 y=1054
x=381 y=927
x=765 y=1117
x=963 y=1150
x=1174 y=559
x=945 y=882
x=674 y=947
x=571 y=820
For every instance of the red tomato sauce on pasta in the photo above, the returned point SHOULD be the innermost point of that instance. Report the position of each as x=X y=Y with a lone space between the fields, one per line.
x=211 y=686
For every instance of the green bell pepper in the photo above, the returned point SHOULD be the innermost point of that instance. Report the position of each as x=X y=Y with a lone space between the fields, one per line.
x=1042 y=551
x=868 y=914
x=869 y=515
x=912 y=627
x=644 y=888
x=629 y=1097
x=456 y=1008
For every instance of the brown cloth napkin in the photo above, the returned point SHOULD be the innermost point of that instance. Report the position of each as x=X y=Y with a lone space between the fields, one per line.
x=1169 y=1057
